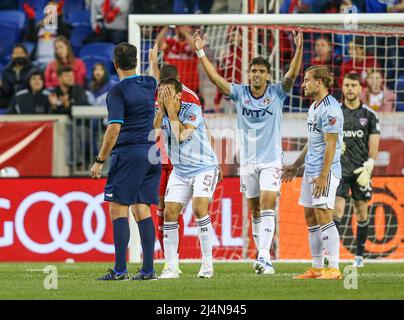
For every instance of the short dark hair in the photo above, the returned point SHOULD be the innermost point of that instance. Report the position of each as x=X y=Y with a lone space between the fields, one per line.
x=173 y=81
x=21 y=46
x=168 y=71
x=125 y=56
x=63 y=69
x=261 y=62
x=353 y=76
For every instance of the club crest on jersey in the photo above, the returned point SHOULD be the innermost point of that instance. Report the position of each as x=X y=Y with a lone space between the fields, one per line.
x=363 y=121
x=247 y=102
x=266 y=101
x=192 y=117
x=332 y=120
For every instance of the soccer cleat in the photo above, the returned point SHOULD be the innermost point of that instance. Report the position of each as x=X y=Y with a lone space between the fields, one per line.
x=112 y=275
x=330 y=274
x=262 y=266
x=309 y=273
x=358 y=262
x=169 y=273
x=145 y=276
x=206 y=270
x=166 y=266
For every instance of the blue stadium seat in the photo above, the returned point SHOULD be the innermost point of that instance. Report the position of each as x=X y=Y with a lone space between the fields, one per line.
x=97 y=52
x=78 y=35
x=10 y=35
x=79 y=18
x=13 y=16
x=73 y=5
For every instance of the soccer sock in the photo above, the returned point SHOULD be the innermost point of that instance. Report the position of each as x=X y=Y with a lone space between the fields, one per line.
x=160 y=223
x=180 y=231
x=266 y=234
x=171 y=243
x=361 y=236
x=337 y=222
x=330 y=236
x=205 y=237
x=316 y=246
x=121 y=241
x=147 y=237
x=256 y=225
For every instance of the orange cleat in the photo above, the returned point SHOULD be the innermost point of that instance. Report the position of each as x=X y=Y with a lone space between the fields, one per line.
x=330 y=274
x=310 y=273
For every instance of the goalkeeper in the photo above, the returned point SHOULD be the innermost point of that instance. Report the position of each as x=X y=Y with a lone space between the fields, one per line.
x=361 y=140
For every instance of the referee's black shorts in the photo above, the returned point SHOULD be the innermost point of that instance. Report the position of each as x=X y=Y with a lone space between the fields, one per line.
x=357 y=192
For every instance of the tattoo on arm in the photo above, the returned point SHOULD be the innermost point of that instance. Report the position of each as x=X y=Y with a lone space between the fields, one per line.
x=287 y=83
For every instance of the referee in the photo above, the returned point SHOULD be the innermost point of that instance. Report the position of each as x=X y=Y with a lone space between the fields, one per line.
x=361 y=143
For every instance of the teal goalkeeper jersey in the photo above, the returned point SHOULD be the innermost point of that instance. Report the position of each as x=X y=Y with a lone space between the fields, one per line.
x=259 y=122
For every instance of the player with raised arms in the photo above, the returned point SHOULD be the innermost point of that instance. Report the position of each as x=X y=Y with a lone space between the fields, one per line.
x=361 y=140
x=322 y=172
x=195 y=173
x=133 y=176
x=259 y=111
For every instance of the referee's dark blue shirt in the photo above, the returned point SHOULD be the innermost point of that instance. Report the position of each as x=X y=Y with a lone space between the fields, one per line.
x=131 y=103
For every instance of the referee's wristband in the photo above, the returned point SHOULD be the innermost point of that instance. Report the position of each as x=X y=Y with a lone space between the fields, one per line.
x=200 y=53
x=98 y=160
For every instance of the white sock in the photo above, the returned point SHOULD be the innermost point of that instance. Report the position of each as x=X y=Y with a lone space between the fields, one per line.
x=205 y=237
x=171 y=244
x=330 y=238
x=266 y=234
x=256 y=225
x=316 y=246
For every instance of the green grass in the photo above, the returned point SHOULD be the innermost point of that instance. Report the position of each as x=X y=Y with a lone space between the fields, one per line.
x=232 y=281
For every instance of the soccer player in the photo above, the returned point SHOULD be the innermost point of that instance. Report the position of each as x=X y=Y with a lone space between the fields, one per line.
x=194 y=176
x=259 y=110
x=322 y=172
x=134 y=176
x=361 y=139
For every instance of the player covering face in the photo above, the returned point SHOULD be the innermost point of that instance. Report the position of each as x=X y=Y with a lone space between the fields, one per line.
x=322 y=172
x=259 y=111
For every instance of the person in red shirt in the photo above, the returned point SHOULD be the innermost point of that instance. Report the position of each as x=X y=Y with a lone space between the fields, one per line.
x=359 y=62
x=64 y=56
x=178 y=51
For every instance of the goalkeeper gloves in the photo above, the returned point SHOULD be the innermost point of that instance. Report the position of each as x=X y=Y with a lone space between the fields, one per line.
x=365 y=172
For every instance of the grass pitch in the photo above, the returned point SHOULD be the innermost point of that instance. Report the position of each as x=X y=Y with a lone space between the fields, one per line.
x=236 y=281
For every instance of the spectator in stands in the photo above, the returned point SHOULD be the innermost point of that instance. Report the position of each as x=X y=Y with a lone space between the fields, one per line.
x=359 y=61
x=34 y=99
x=187 y=6
x=382 y=6
x=43 y=37
x=177 y=45
x=64 y=56
x=376 y=95
x=109 y=20
x=67 y=94
x=99 y=85
x=15 y=75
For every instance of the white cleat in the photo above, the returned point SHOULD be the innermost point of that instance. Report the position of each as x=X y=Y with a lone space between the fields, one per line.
x=178 y=269
x=169 y=273
x=262 y=266
x=358 y=262
x=206 y=271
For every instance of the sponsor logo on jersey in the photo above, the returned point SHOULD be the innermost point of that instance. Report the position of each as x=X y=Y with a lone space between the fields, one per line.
x=332 y=120
x=363 y=121
x=256 y=113
x=247 y=102
x=353 y=133
x=192 y=117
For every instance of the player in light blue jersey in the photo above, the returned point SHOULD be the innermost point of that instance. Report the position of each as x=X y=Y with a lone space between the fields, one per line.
x=322 y=172
x=259 y=111
x=195 y=173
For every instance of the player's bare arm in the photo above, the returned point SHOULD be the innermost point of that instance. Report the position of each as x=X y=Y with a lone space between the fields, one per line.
x=290 y=171
x=171 y=101
x=153 y=62
x=110 y=137
x=290 y=77
x=373 y=143
x=158 y=117
x=220 y=82
x=320 y=182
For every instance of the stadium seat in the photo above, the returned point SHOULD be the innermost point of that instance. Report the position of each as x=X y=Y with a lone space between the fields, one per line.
x=78 y=35
x=10 y=35
x=73 y=5
x=97 y=52
x=79 y=18
x=13 y=16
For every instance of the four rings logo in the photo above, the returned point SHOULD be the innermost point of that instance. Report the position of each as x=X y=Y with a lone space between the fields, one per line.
x=60 y=236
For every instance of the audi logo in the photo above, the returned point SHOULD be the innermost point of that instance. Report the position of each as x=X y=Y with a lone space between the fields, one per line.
x=60 y=237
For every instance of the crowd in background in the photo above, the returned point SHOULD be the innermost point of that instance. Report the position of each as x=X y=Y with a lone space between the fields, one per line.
x=48 y=70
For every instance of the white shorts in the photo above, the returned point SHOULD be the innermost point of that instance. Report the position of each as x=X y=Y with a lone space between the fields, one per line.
x=258 y=177
x=182 y=189
x=308 y=200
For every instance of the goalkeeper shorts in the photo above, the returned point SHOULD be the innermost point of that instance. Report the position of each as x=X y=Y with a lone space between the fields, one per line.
x=308 y=200
x=358 y=192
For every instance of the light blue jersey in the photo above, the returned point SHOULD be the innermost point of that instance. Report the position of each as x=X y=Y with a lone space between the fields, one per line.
x=327 y=117
x=194 y=155
x=260 y=121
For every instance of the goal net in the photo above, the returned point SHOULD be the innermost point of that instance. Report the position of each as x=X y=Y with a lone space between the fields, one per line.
x=374 y=50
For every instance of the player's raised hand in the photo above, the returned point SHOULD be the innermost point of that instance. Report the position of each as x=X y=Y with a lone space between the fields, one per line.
x=289 y=172
x=153 y=54
x=199 y=42
x=298 y=38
